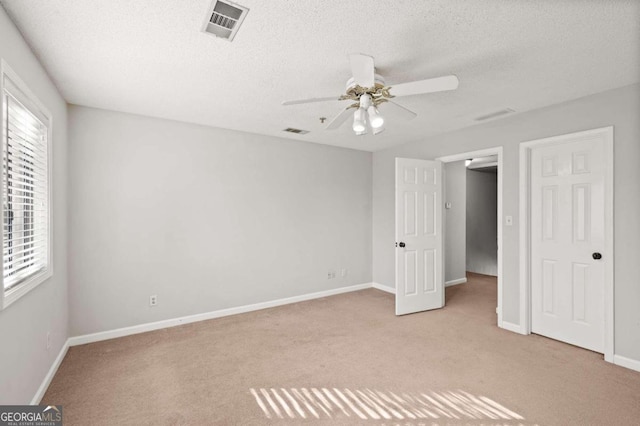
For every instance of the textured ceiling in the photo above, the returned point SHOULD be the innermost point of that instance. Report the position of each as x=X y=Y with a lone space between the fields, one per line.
x=150 y=57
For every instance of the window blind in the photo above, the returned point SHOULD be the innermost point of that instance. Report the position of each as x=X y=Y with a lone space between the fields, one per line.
x=25 y=197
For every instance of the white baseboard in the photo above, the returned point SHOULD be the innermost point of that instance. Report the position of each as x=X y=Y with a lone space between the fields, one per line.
x=52 y=372
x=455 y=282
x=629 y=363
x=512 y=327
x=173 y=322
x=384 y=288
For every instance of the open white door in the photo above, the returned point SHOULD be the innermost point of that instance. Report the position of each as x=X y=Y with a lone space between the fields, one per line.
x=419 y=277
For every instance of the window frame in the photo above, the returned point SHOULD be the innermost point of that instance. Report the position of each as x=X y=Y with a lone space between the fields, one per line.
x=19 y=90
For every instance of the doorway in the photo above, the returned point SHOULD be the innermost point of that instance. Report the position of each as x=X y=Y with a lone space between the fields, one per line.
x=419 y=207
x=488 y=160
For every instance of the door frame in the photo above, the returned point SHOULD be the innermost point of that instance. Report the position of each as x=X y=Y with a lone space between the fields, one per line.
x=525 y=230
x=484 y=153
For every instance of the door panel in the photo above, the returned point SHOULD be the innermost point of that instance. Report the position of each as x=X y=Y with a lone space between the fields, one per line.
x=580 y=273
x=411 y=272
x=419 y=272
x=548 y=286
x=567 y=227
x=430 y=270
x=581 y=210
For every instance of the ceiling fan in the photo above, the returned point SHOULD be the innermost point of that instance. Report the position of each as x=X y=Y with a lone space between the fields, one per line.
x=369 y=92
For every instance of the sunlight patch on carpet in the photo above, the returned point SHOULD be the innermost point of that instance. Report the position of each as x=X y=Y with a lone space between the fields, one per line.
x=367 y=404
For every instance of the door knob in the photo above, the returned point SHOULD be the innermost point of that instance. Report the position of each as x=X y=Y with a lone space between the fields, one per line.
x=402 y=244
x=597 y=256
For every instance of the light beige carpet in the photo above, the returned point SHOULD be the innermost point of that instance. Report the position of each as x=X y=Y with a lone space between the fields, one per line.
x=346 y=359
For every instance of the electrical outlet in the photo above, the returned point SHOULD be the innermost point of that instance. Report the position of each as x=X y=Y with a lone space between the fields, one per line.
x=331 y=275
x=344 y=272
x=48 y=340
x=153 y=300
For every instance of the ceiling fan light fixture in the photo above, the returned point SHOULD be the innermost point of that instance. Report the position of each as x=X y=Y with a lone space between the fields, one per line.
x=360 y=121
x=368 y=89
x=375 y=118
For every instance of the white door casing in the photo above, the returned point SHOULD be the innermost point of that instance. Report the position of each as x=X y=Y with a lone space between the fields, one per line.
x=419 y=264
x=570 y=219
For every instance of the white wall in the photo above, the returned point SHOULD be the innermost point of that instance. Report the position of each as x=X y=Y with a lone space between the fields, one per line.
x=455 y=220
x=482 y=222
x=205 y=218
x=620 y=108
x=24 y=358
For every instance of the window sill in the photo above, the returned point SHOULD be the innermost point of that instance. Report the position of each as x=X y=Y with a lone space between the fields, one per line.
x=25 y=287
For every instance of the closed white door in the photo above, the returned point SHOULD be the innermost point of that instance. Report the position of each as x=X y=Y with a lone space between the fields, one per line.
x=568 y=260
x=419 y=277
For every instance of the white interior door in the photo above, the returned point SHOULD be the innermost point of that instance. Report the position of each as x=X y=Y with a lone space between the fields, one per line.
x=419 y=271
x=567 y=237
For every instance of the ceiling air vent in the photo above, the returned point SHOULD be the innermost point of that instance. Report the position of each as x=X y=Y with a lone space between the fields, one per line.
x=224 y=19
x=297 y=131
x=495 y=114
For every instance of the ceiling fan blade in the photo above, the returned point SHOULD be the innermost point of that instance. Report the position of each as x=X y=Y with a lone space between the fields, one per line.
x=398 y=110
x=431 y=85
x=310 y=100
x=362 y=69
x=340 y=118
